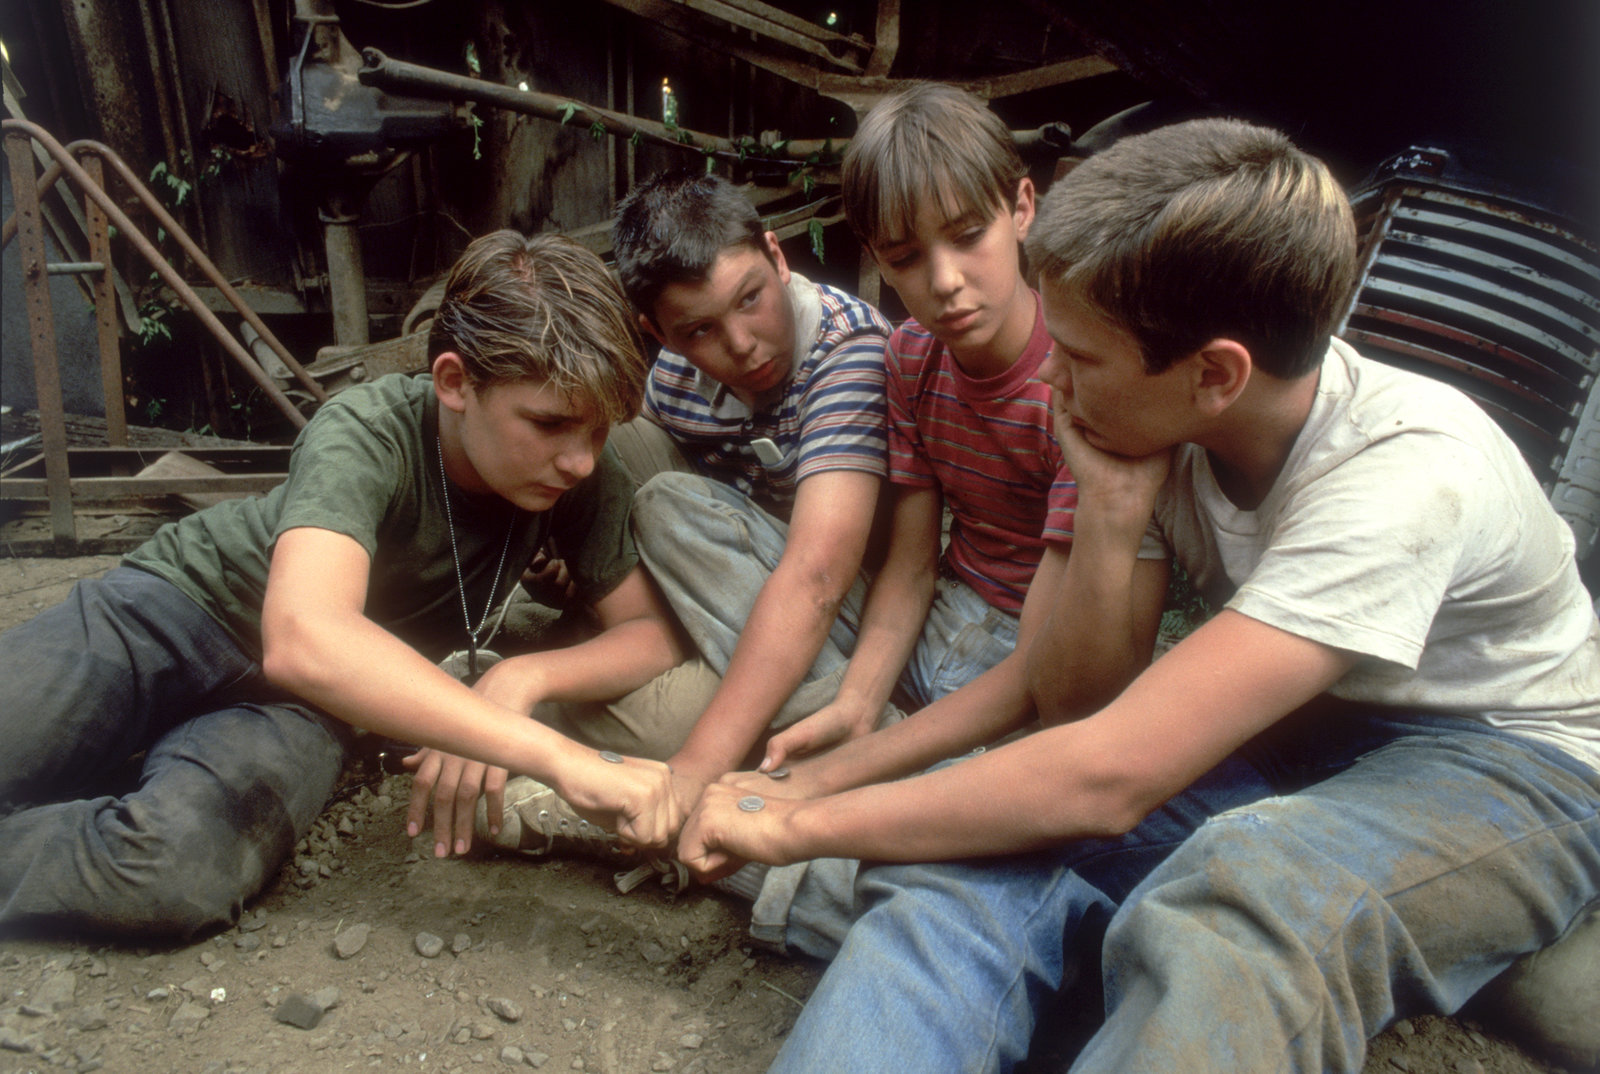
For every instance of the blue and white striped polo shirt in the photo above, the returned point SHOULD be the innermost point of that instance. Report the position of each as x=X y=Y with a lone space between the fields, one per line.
x=831 y=415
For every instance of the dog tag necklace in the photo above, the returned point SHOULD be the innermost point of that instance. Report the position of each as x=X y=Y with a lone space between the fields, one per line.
x=461 y=585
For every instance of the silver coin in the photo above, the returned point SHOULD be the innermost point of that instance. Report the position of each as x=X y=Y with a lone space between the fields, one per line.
x=780 y=772
x=752 y=803
x=611 y=756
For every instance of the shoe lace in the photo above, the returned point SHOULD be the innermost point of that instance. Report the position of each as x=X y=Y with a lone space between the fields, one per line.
x=577 y=833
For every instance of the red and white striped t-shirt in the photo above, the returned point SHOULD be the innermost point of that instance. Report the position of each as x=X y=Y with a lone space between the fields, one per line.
x=989 y=447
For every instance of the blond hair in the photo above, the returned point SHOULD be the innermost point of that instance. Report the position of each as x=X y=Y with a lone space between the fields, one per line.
x=1214 y=228
x=542 y=308
x=928 y=140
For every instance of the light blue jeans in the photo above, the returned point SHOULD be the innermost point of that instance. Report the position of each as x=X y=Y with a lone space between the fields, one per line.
x=234 y=772
x=1342 y=875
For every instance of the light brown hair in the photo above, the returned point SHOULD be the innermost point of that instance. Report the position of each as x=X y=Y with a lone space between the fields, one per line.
x=1214 y=228
x=542 y=308
x=928 y=140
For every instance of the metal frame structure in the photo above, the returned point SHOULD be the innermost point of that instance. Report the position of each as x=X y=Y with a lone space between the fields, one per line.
x=60 y=485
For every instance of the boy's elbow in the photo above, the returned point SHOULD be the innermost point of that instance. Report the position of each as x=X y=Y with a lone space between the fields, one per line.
x=285 y=652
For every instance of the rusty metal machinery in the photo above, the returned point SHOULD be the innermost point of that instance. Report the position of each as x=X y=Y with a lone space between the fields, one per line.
x=1498 y=296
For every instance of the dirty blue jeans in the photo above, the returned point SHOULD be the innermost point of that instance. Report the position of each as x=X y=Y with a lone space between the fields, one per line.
x=1296 y=900
x=233 y=772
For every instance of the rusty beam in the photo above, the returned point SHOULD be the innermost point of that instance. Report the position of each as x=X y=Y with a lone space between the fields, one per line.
x=41 y=332
x=778 y=25
x=105 y=315
x=885 y=39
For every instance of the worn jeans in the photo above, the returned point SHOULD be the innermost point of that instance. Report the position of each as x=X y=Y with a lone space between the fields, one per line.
x=1322 y=883
x=233 y=773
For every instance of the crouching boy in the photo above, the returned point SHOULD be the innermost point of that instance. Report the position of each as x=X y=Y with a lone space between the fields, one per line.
x=234 y=648
x=1360 y=791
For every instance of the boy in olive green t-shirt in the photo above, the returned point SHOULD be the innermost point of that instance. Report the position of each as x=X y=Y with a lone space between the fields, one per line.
x=234 y=646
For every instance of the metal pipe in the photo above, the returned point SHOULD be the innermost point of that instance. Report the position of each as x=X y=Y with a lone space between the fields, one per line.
x=16 y=128
x=202 y=262
x=347 y=282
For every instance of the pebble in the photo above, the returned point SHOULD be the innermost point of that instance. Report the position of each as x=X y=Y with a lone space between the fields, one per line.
x=1399 y=1062
x=460 y=944
x=158 y=993
x=429 y=945
x=252 y=922
x=662 y=1062
x=1405 y=1028
x=209 y=959
x=482 y=1031
x=535 y=1059
x=326 y=998
x=299 y=1011
x=350 y=941
x=511 y=1055
x=248 y=942
x=187 y=1018
x=689 y=1040
x=56 y=991
x=505 y=1009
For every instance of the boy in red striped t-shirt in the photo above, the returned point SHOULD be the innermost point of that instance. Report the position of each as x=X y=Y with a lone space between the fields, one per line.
x=934 y=188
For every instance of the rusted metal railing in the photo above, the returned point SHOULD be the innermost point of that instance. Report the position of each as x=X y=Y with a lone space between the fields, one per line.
x=102 y=213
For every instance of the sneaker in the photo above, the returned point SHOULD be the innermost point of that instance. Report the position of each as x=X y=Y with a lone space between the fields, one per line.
x=536 y=822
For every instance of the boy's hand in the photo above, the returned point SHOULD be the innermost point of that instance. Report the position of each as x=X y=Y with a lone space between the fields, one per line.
x=453 y=784
x=827 y=727
x=636 y=799
x=1124 y=487
x=719 y=837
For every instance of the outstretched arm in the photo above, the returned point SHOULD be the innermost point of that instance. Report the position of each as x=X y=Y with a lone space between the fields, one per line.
x=1098 y=776
x=318 y=643
x=638 y=641
x=787 y=627
x=891 y=622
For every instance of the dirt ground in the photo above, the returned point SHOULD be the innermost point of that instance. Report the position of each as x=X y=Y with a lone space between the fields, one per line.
x=541 y=965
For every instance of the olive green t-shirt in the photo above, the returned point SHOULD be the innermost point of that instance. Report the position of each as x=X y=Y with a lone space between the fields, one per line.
x=367 y=466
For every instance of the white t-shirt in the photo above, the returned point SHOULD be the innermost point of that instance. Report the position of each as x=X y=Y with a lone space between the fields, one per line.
x=1406 y=528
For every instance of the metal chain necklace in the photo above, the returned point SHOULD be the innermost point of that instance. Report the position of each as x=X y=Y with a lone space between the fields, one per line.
x=461 y=585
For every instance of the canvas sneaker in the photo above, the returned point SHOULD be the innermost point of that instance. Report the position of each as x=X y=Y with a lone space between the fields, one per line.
x=536 y=822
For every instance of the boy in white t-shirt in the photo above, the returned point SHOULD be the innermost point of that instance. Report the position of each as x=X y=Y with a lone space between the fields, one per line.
x=1364 y=788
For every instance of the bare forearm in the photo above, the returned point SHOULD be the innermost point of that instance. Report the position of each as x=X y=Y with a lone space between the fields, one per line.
x=994 y=704
x=364 y=675
x=1017 y=798
x=1097 y=634
x=891 y=623
x=611 y=664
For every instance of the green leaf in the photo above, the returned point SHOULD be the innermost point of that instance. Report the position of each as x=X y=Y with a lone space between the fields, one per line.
x=568 y=110
x=711 y=163
x=815 y=230
x=597 y=130
x=808 y=183
x=635 y=138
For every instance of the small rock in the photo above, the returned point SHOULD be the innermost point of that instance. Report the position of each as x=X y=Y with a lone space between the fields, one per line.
x=299 y=1011
x=350 y=941
x=1405 y=1028
x=252 y=922
x=511 y=1055
x=463 y=1035
x=248 y=942
x=568 y=1024
x=1399 y=1062
x=460 y=943
x=209 y=959
x=187 y=1018
x=482 y=1031
x=429 y=945
x=689 y=1040
x=97 y=966
x=652 y=952
x=535 y=1059
x=158 y=993
x=1478 y=1038
x=12 y=1041
x=1469 y=1065
x=505 y=1008
x=577 y=1062
x=662 y=1062
x=326 y=998
x=56 y=991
